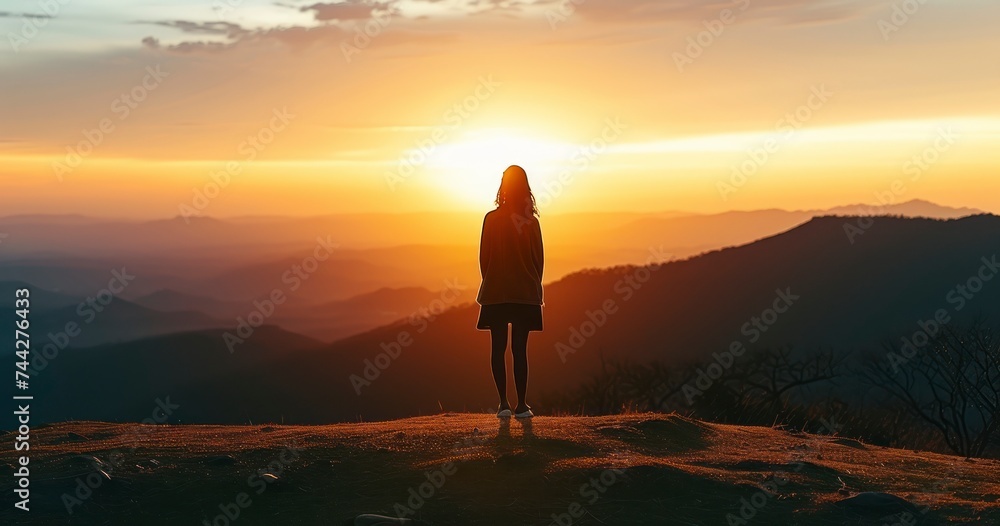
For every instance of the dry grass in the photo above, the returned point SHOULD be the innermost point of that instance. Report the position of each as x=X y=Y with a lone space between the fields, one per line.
x=672 y=471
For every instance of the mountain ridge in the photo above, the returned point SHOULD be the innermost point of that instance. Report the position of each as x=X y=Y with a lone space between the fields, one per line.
x=844 y=297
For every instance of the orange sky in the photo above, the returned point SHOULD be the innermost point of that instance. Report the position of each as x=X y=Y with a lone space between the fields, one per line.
x=793 y=104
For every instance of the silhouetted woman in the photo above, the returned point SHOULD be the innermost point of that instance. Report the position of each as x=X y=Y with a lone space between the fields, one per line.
x=510 y=261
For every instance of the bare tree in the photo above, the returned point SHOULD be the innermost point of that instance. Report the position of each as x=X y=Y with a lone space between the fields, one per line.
x=774 y=373
x=625 y=385
x=952 y=383
x=762 y=381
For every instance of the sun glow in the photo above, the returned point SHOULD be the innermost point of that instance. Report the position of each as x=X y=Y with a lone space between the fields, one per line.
x=472 y=165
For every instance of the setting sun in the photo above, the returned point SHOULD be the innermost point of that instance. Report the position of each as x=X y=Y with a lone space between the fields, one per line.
x=471 y=166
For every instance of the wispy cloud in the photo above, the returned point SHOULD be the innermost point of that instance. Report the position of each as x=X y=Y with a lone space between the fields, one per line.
x=228 y=29
x=5 y=14
x=683 y=11
x=349 y=10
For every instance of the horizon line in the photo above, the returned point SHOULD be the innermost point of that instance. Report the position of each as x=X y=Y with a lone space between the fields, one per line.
x=676 y=213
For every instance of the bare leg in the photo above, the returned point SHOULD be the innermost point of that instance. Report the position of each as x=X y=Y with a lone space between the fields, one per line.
x=498 y=342
x=519 y=348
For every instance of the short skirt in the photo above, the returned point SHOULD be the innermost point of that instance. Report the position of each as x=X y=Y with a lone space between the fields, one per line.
x=521 y=315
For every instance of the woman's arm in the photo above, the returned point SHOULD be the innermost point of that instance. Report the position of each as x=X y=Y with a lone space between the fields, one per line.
x=484 y=251
x=537 y=249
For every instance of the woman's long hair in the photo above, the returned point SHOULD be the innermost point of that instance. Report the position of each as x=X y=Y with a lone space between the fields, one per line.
x=515 y=192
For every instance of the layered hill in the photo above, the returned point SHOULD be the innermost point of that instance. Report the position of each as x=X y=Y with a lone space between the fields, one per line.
x=810 y=287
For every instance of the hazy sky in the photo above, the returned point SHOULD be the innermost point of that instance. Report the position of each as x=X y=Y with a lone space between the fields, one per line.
x=128 y=108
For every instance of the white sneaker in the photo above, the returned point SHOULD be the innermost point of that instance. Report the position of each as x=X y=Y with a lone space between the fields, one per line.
x=504 y=413
x=525 y=414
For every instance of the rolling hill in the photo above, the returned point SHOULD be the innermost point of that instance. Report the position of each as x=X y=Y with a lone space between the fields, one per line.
x=100 y=319
x=843 y=296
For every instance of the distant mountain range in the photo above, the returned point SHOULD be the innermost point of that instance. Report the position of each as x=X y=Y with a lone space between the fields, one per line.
x=711 y=231
x=325 y=321
x=219 y=267
x=98 y=319
x=218 y=241
x=808 y=287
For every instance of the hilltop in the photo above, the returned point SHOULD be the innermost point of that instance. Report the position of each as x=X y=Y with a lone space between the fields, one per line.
x=468 y=469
